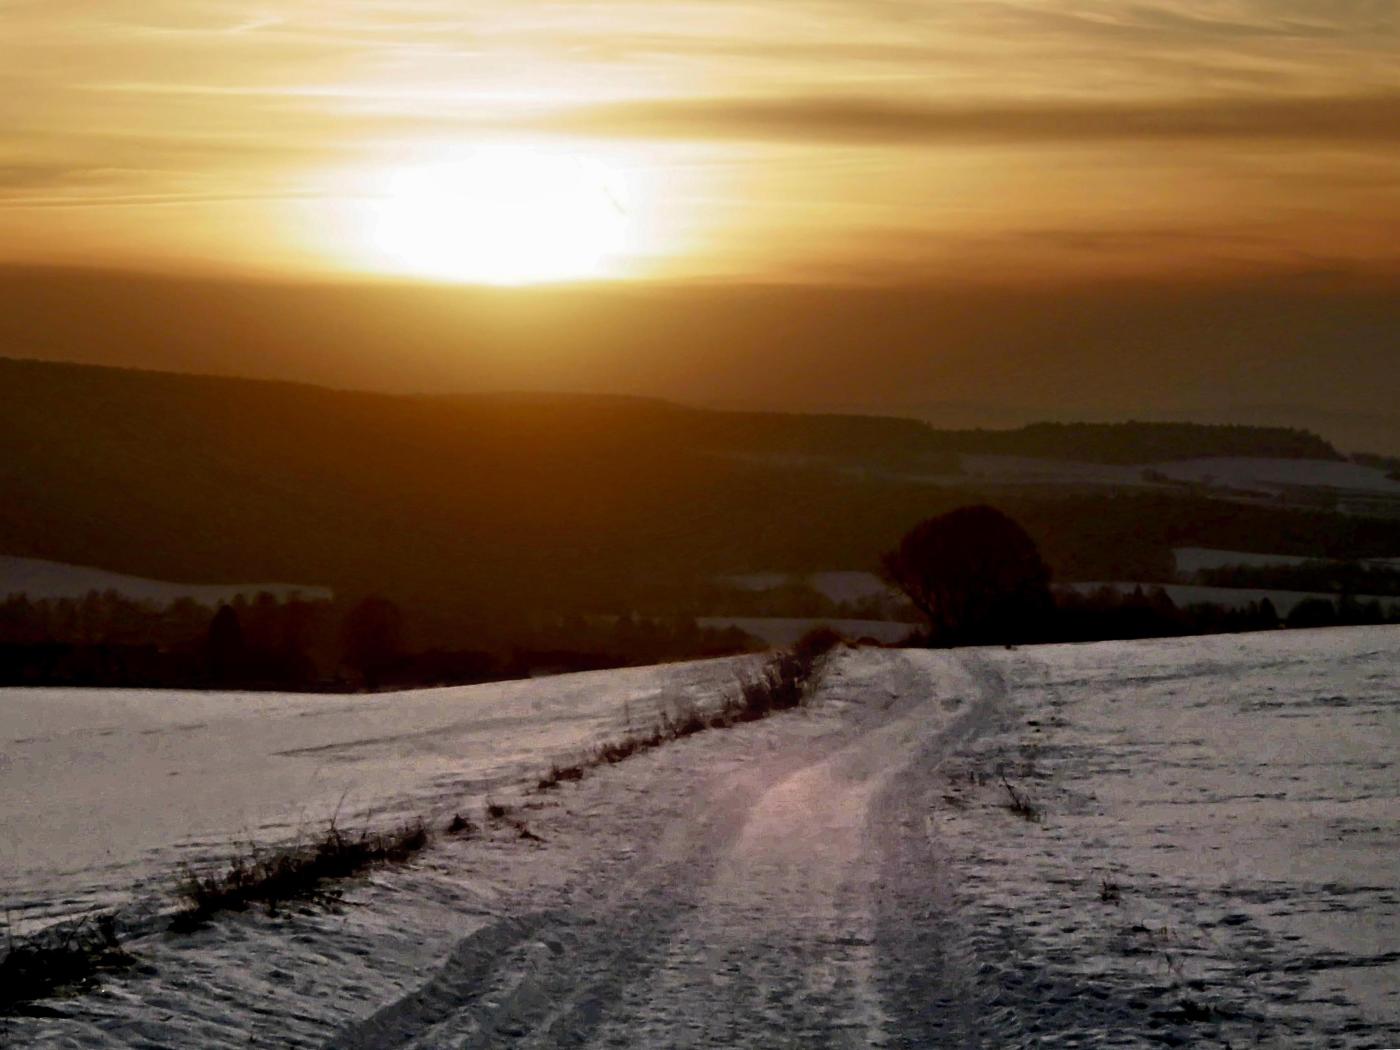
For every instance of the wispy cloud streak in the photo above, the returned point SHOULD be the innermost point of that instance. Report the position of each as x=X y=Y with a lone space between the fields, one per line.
x=820 y=122
x=1361 y=119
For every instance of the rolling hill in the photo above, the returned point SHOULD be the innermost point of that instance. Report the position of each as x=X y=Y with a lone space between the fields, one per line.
x=500 y=505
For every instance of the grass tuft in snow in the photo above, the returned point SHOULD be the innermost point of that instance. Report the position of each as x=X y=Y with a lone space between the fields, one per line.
x=1020 y=803
x=496 y=810
x=558 y=774
x=460 y=825
x=298 y=873
x=71 y=958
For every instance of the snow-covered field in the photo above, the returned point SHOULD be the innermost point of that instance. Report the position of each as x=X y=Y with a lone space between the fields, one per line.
x=1215 y=862
x=38 y=579
x=1191 y=560
x=1276 y=475
x=839 y=586
x=109 y=789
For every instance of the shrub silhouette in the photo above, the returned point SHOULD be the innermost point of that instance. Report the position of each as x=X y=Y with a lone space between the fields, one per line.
x=225 y=651
x=373 y=638
x=1314 y=612
x=975 y=574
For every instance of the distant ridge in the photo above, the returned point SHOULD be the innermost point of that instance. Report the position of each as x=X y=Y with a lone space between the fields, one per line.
x=1266 y=351
x=511 y=503
x=843 y=435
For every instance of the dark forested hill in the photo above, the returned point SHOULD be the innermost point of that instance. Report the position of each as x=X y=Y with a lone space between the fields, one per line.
x=530 y=502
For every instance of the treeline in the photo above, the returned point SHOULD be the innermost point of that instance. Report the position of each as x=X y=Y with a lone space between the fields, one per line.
x=1350 y=578
x=1109 y=614
x=977 y=577
x=105 y=639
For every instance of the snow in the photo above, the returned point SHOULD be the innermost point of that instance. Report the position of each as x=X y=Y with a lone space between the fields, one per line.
x=51 y=579
x=1279 y=474
x=1242 y=472
x=108 y=788
x=843 y=875
x=1028 y=470
x=1190 y=560
x=848 y=585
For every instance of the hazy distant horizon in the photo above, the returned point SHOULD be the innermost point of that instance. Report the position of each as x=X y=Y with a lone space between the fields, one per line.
x=1318 y=354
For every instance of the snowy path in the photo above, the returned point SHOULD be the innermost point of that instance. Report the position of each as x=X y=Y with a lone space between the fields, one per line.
x=759 y=919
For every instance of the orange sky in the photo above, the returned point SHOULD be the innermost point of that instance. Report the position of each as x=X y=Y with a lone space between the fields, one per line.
x=832 y=140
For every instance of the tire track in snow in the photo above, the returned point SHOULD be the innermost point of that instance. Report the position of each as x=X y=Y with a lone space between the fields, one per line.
x=763 y=920
x=927 y=974
x=554 y=974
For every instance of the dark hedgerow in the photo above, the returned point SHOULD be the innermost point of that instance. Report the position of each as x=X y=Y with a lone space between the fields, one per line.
x=815 y=644
x=299 y=873
x=302 y=872
x=782 y=684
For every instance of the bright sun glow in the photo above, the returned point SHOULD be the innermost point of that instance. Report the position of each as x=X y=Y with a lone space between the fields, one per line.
x=504 y=215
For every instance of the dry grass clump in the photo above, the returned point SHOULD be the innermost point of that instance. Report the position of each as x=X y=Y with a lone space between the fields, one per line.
x=69 y=958
x=559 y=774
x=1020 y=803
x=460 y=825
x=296 y=873
x=782 y=684
x=496 y=810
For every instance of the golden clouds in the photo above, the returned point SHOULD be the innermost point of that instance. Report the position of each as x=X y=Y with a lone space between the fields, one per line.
x=786 y=136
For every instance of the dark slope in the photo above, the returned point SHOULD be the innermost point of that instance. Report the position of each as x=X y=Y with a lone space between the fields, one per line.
x=523 y=502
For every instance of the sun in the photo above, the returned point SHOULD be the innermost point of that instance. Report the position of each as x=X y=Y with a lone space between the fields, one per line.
x=504 y=215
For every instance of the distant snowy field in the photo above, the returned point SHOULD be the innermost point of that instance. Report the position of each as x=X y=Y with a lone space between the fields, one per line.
x=38 y=579
x=1255 y=474
x=1276 y=475
x=1215 y=860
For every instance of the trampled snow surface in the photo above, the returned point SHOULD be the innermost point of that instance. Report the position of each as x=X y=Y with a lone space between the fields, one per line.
x=847 y=875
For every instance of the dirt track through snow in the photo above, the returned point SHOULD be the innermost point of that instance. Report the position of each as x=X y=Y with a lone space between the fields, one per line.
x=755 y=922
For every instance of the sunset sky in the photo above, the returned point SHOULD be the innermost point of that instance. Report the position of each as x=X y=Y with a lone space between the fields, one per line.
x=769 y=140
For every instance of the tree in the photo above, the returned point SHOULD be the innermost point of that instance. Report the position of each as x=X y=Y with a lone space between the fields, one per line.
x=224 y=651
x=1313 y=612
x=1268 y=614
x=975 y=574
x=373 y=638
